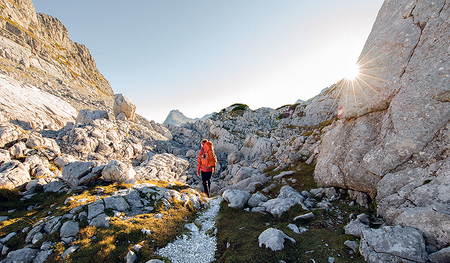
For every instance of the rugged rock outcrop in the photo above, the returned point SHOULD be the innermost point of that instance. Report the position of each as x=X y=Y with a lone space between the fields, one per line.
x=36 y=48
x=394 y=133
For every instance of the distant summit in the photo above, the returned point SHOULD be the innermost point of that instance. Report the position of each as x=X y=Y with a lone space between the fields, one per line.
x=177 y=118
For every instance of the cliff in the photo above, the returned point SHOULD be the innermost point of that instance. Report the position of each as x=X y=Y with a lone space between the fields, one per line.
x=36 y=49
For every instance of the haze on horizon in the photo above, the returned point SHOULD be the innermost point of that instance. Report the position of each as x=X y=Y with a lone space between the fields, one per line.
x=202 y=56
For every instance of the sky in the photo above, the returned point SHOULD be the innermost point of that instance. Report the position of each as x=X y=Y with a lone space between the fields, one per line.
x=202 y=56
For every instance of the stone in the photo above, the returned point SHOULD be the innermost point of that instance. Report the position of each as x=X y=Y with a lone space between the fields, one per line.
x=307 y=216
x=236 y=198
x=191 y=154
x=101 y=220
x=123 y=104
x=355 y=228
x=64 y=159
x=4 y=155
x=442 y=255
x=88 y=116
x=392 y=244
x=25 y=255
x=278 y=206
x=352 y=245
x=8 y=132
x=32 y=107
x=69 y=251
x=297 y=229
x=42 y=256
x=256 y=199
x=13 y=174
x=235 y=157
x=54 y=186
x=73 y=173
x=273 y=238
x=8 y=237
x=69 y=229
x=95 y=209
x=116 y=171
x=17 y=149
x=155 y=261
x=34 y=231
x=131 y=257
x=166 y=167
x=116 y=203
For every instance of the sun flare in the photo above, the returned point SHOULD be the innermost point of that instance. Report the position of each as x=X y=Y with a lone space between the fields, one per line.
x=352 y=72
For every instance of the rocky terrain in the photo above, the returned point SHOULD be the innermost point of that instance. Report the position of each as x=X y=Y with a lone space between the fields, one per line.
x=82 y=174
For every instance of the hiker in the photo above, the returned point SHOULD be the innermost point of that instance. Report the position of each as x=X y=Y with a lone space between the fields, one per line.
x=206 y=163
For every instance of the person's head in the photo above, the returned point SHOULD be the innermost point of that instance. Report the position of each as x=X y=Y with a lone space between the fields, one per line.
x=204 y=141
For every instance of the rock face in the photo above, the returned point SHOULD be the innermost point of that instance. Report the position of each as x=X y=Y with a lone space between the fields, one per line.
x=35 y=109
x=394 y=133
x=176 y=118
x=36 y=48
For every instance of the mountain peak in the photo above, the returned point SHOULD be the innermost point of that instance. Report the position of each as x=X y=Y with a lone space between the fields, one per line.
x=176 y=118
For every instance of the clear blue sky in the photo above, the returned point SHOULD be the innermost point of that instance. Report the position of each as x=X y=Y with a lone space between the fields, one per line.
x=204 y=55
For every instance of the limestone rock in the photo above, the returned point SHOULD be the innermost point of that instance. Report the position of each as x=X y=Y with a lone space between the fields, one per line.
x=256 y=199
x=236 y=198
x=117 y=171
x=13 y=174
x=8 y=133
x=25 y=255
x=78 y=173
x=401 y=110
x=273 y=238
x=123 y=104
x=235 y=157
x=87 y=116
x=392 y=244
x=69 y=229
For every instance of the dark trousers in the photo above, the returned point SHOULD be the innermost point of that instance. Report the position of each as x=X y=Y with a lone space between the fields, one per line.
x=206 y=180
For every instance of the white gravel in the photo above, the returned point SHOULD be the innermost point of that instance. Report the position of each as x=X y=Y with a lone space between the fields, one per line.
x=196 y=246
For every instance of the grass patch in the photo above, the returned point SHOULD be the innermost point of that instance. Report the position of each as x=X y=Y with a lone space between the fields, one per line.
x=238 y=230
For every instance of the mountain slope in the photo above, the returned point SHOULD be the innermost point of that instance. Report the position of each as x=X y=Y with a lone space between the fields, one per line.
x=36 y=49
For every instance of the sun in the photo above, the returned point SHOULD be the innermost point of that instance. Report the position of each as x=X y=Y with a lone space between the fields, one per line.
x=352 y=72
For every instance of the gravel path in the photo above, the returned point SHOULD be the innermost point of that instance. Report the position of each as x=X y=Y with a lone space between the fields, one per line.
x=196 y=246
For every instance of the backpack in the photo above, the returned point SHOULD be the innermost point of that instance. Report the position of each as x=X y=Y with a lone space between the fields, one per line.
x=208 y=159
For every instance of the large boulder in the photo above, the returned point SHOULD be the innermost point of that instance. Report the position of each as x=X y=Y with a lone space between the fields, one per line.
x=236 y=198
x=116 y=171
x=393 y=244
x=123 y=105
x=25 y=255
x=13 y=174
x=419 y=198
x=88 y=116
x=8 y=133
x=79 y=173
